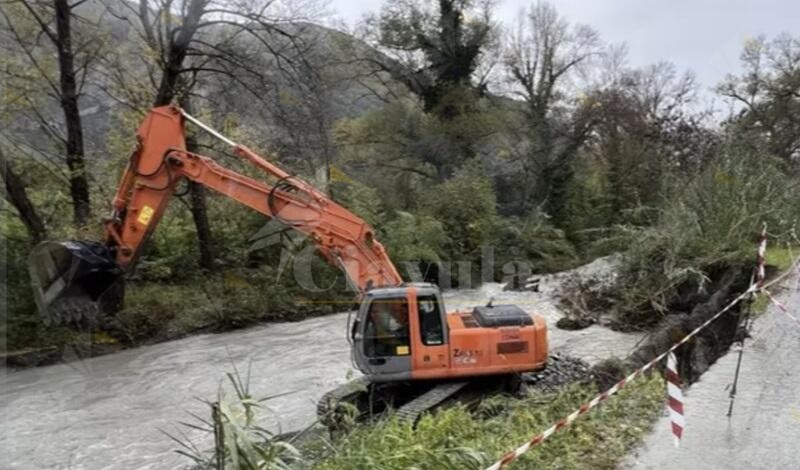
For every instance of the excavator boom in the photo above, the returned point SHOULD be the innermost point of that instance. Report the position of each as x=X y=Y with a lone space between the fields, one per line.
x=75 y=280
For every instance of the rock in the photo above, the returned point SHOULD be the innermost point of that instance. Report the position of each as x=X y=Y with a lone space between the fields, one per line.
x=561 y=371
x=572 y=323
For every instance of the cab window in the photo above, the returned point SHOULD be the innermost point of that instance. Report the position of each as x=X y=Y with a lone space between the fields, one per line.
x=386 y=332
x=430 y=320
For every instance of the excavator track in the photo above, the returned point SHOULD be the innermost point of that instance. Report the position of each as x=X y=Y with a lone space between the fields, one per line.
x=361 y=399
x=412 y=410
x=330 y=409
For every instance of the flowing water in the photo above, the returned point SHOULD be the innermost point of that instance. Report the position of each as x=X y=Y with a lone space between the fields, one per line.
x=110 y=411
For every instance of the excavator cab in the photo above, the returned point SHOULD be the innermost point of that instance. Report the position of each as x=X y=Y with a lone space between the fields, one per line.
x=396 y=326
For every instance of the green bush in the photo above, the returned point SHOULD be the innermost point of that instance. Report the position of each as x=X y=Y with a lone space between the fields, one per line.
x=466 y=207
x=534 y=241
x=234 y=298
x=711 y=222
x=410 y=237
x=362 y=200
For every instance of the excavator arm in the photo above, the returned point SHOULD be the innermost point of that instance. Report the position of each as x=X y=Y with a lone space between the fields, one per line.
x=73 y=278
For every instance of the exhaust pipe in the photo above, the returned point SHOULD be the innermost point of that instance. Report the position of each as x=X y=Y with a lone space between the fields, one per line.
x=75 y=282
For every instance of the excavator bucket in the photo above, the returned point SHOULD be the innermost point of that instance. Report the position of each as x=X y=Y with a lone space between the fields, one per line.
x=75 y=282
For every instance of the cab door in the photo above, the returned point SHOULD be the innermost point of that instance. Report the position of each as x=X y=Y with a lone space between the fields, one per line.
x=429 y=334
x=382 y=343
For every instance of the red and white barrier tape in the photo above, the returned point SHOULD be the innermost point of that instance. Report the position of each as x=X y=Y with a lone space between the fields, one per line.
x=761 y=257
x=675 y=398
x=761 y=274
x=564 y=422
x=780 y=306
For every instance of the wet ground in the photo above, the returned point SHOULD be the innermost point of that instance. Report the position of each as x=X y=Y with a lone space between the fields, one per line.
x=108 y=412
x=764 y=429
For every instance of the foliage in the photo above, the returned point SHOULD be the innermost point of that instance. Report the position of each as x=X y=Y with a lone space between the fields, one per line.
x=709 y=223
x=532 y=240
x=411 y=147
x=439 y=47
x=362 y=200
x=781 y=258
x=240 y=443
x=455 y=438
x=411 y=237
x=234 y=298
x=466 y=207
x=768 y=88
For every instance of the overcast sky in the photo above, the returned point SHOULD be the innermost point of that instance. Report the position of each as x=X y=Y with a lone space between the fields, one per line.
x=705 y=36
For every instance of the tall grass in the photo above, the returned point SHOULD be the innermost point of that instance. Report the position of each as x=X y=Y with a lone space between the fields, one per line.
x=239 y=442
x=456 y=438
x=452 y=438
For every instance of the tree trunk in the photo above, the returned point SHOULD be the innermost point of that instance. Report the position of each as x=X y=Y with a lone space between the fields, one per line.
x=176 y=52
x=78 y=181
x=201 y=225
x=199 y=207
x=199 y=210
x=167 y=90
x=16 y=195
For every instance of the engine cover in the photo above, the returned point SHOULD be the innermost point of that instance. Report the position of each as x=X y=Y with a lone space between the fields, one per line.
x=495 y=316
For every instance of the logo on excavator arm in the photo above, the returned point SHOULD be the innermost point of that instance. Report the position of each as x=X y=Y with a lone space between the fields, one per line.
x=145 y=215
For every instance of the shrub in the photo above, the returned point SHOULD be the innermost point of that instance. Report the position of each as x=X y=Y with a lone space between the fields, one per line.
x=710 y=223
x=410 y=237
x=534 y=241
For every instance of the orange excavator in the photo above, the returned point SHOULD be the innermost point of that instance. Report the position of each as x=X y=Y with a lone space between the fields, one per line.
x=402 y=338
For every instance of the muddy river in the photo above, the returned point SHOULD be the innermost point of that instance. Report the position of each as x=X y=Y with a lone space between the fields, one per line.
x=109 y=411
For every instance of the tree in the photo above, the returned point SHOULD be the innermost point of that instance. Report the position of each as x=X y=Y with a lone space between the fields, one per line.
x=769 y=91
x=433 y=50
x=302 y=102
x=649 y=135
x=174 y=52
x=543 y=54
x=442 y=115
x=16 y=194
x=73 y=65
x=200 y=42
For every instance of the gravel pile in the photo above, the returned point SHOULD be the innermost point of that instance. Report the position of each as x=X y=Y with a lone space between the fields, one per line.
x=561 y=370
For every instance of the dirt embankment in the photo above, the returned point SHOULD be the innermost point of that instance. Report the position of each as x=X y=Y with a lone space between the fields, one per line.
x=584 y=298
x=697 y=355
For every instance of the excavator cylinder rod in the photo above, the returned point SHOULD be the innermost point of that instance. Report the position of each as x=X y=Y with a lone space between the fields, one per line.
x=75 y=282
